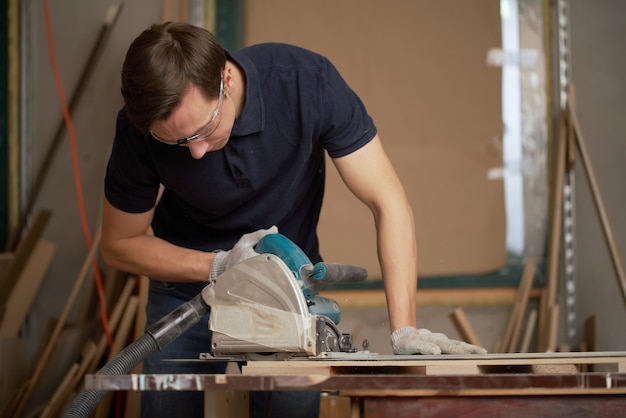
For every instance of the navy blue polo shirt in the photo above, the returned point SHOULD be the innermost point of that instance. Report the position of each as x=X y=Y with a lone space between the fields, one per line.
x=271 y=172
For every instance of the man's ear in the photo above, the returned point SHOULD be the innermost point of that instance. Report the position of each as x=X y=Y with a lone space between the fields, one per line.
x=229 y=79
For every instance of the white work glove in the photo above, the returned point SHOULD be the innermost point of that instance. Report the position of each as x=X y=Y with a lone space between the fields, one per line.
x=243 y=249
x=409 y=340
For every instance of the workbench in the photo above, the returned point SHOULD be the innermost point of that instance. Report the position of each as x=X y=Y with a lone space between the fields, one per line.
x=491 y=385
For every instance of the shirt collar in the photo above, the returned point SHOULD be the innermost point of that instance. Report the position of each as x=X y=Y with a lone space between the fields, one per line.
x=252 y=117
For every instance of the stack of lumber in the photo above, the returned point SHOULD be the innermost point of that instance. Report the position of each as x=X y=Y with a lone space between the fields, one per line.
x=21 y=276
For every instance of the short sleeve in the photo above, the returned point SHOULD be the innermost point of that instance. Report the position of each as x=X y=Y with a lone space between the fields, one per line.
x=346 y=124
x=131 y=182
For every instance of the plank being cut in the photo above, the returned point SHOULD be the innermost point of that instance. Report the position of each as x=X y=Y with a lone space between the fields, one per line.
x=434 y=365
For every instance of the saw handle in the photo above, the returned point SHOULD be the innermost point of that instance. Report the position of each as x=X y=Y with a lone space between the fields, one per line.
x=322 y=274
x=285 y=249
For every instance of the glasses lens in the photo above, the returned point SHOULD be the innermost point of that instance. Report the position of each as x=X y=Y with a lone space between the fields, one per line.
x=215 y=120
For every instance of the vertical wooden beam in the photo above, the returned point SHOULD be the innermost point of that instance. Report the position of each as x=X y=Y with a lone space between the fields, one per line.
x=548 y=297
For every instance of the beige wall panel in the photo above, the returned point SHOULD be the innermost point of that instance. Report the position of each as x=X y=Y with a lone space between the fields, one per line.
x=420 y=67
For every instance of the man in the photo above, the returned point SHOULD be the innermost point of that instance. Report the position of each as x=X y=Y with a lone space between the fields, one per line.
x=237 y=142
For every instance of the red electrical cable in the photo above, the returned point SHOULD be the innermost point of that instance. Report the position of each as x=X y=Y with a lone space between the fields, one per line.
x=75 y=166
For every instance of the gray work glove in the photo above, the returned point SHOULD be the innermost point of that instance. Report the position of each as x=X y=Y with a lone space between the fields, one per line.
x=409 y=340
x=243 y=249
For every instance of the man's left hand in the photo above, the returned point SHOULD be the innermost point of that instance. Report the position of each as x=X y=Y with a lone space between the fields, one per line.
x=409 y=340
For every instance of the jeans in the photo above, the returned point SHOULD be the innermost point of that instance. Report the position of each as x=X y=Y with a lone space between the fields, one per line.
x=164 y=298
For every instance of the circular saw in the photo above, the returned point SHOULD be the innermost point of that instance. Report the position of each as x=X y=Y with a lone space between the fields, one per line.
x=268 y=305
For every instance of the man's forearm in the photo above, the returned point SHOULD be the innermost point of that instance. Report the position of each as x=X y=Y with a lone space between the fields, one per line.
x=398 y=260
x=158 y=259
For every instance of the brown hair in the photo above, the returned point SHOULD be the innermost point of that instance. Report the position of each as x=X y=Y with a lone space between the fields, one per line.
x=161 y=63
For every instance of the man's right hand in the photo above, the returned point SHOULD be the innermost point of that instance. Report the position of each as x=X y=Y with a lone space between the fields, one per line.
x=243 y=249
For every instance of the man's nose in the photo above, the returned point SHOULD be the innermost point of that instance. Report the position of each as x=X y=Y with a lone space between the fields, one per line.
x=198 y=148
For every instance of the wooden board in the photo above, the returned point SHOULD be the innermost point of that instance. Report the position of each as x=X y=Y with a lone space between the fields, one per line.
x=442 y=365
x=25 y=290
x=9 y=279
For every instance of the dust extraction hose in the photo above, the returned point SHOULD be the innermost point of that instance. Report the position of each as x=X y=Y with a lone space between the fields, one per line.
x=163 y=332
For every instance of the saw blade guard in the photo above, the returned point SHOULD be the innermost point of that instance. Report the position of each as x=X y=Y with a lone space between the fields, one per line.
x=310 y=277
x=257 y=306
